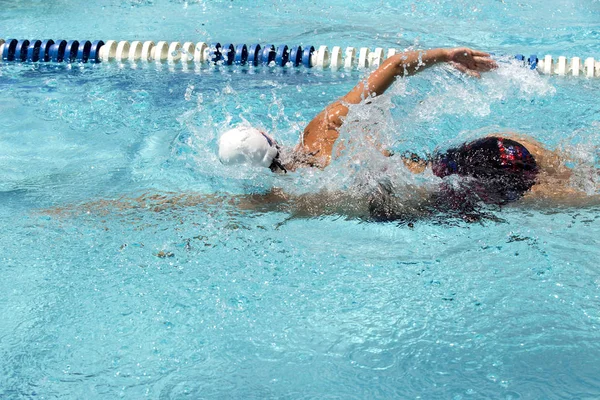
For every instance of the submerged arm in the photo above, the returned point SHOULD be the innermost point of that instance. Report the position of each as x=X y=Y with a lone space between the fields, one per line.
x=321 y=133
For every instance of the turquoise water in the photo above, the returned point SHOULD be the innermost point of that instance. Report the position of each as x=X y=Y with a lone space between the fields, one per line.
x=105 y=300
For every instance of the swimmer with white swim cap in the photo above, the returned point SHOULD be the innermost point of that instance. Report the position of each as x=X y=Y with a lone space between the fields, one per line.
x=504 y=167
x=248 y=145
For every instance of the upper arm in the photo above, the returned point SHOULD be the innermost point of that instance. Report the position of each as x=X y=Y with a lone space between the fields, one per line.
x=321 y=133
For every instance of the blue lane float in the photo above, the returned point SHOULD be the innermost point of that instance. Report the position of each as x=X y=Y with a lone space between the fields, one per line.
x=57 y=51
x=21 y=50
x=228 y=53
x=45 y=50
x=307 y=56
x=83 y=51
x=533 y=61
x=296 y=56
x=283 y=56
x=215 y=53
x=95 y=51
x=15 y=50
x=254 y=54
x=241 y=54
x=268 y=55
x=33 y=51
x=8 y=54
x=70 y=54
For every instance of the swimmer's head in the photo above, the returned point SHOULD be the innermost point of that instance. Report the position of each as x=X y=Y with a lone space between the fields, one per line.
x=503 y=170
x=245 y=145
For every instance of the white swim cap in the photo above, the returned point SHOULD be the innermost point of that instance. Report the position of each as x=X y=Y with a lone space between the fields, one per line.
x=247 y=145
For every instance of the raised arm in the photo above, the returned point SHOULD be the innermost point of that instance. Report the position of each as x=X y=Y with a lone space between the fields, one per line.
x=321 y=133
x=402 y=64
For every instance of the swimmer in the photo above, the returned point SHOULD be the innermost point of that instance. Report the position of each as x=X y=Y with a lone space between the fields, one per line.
x=498 y=169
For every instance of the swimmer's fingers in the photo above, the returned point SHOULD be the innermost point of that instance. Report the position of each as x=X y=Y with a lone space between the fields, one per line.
x=472 y=59
x=463 y=68
x=477 y=53
x=484 y=64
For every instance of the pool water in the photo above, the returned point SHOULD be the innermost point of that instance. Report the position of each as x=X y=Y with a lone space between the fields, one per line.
x=180 y=294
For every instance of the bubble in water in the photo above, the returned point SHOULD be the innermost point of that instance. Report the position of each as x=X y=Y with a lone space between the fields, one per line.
x=188 y=92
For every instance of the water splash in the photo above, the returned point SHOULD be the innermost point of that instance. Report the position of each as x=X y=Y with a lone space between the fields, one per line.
x=582 y=155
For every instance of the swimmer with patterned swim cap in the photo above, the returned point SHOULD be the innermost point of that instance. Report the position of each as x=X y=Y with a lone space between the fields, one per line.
x=500 y=168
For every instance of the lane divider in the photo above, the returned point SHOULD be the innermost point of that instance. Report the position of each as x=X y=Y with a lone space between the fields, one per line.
x=562 y=66
x=14 y=50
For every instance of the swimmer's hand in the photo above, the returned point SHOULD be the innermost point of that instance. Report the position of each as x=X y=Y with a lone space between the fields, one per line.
x=469 y=61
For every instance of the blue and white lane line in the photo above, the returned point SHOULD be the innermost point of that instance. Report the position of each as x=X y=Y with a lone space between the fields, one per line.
x=14 y=50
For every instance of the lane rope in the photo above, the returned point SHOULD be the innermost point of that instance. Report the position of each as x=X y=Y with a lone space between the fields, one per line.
x=14 y=50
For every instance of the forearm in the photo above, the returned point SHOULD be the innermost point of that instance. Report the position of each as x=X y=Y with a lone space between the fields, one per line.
x=410 y=62
x=402 y=64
